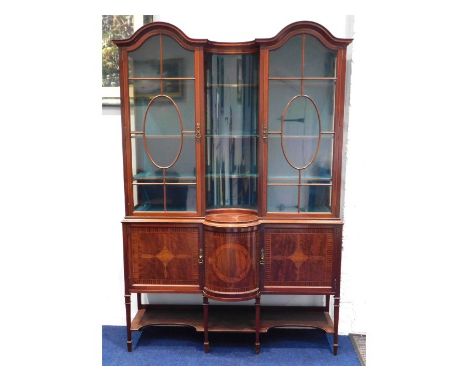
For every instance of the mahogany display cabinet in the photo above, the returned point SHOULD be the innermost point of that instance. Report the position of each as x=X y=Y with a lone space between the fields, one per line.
x=232 y=156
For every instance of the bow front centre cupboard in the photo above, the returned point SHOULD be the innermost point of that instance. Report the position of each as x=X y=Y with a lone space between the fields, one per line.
x=232 y=165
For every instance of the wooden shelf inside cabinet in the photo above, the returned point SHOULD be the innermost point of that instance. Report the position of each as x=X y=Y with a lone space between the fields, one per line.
x=227 y=318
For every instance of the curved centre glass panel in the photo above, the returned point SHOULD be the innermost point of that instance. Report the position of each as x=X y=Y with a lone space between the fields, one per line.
x=231 y=130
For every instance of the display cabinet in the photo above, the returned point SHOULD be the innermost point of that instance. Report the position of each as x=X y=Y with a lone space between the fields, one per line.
x=232 y=157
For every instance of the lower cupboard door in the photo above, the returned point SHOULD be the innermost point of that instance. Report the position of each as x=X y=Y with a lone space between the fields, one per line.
x=300 y=257
x=163 y=255
x=231 y=269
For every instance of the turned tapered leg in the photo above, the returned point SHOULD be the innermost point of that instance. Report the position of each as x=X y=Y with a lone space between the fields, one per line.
x=327 y=303
x=139 y=300
x=128 y=312
x=257 y=324
x=206 y=343
x=336 y=317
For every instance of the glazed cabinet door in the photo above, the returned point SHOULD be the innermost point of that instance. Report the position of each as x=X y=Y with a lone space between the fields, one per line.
x=160 y=76
x=303 y=91
x=300 y=259
x=162 y=257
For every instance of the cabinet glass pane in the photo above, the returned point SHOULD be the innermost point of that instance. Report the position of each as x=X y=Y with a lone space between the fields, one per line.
x=282 y=198
x=231 y=191
x=145 y=61
x=185 y=167
x=285 y=198
x=222 y=69
x=315 y=198
x=319 y=61
x=279 y=169
x=181 y=198
x=181 y=91
x=300 y=119
x=232 y=94
x=282 y=91
x=148 y=198
x=231 y=164
x=231 y=130
x=162 y=118
x=177 y=61
x=230 y=111
x=151 y=197
x=163 y=149
x=231 y=156
x=286 y=61
x=322 y=166
x=323 y=94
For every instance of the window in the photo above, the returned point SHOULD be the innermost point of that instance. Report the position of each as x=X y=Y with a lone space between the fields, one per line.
x=116 y=27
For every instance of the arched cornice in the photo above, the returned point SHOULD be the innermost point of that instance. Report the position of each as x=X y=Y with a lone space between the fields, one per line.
x=308 y=27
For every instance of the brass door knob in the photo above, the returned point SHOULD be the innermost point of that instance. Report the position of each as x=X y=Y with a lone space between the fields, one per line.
x=197 y=131
x=262 y=257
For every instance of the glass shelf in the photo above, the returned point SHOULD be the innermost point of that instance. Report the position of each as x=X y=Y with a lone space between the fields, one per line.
x=157 y=175
x=304 y=179
x=161 y=136
x=287 y=136
x=230 y=85
x=160 y=78
x=231 y=175
x=303 y=78
x=230 y=136
x=160 y=180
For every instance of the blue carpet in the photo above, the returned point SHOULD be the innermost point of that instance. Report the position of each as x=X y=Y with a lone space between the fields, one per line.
x=170 y=346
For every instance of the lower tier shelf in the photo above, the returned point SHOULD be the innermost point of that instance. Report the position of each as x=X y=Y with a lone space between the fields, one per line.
x=233 y=318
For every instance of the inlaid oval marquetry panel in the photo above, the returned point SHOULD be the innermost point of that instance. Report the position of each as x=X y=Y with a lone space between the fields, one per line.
x=300 y=131
x=231 y=262
x=162 y=120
